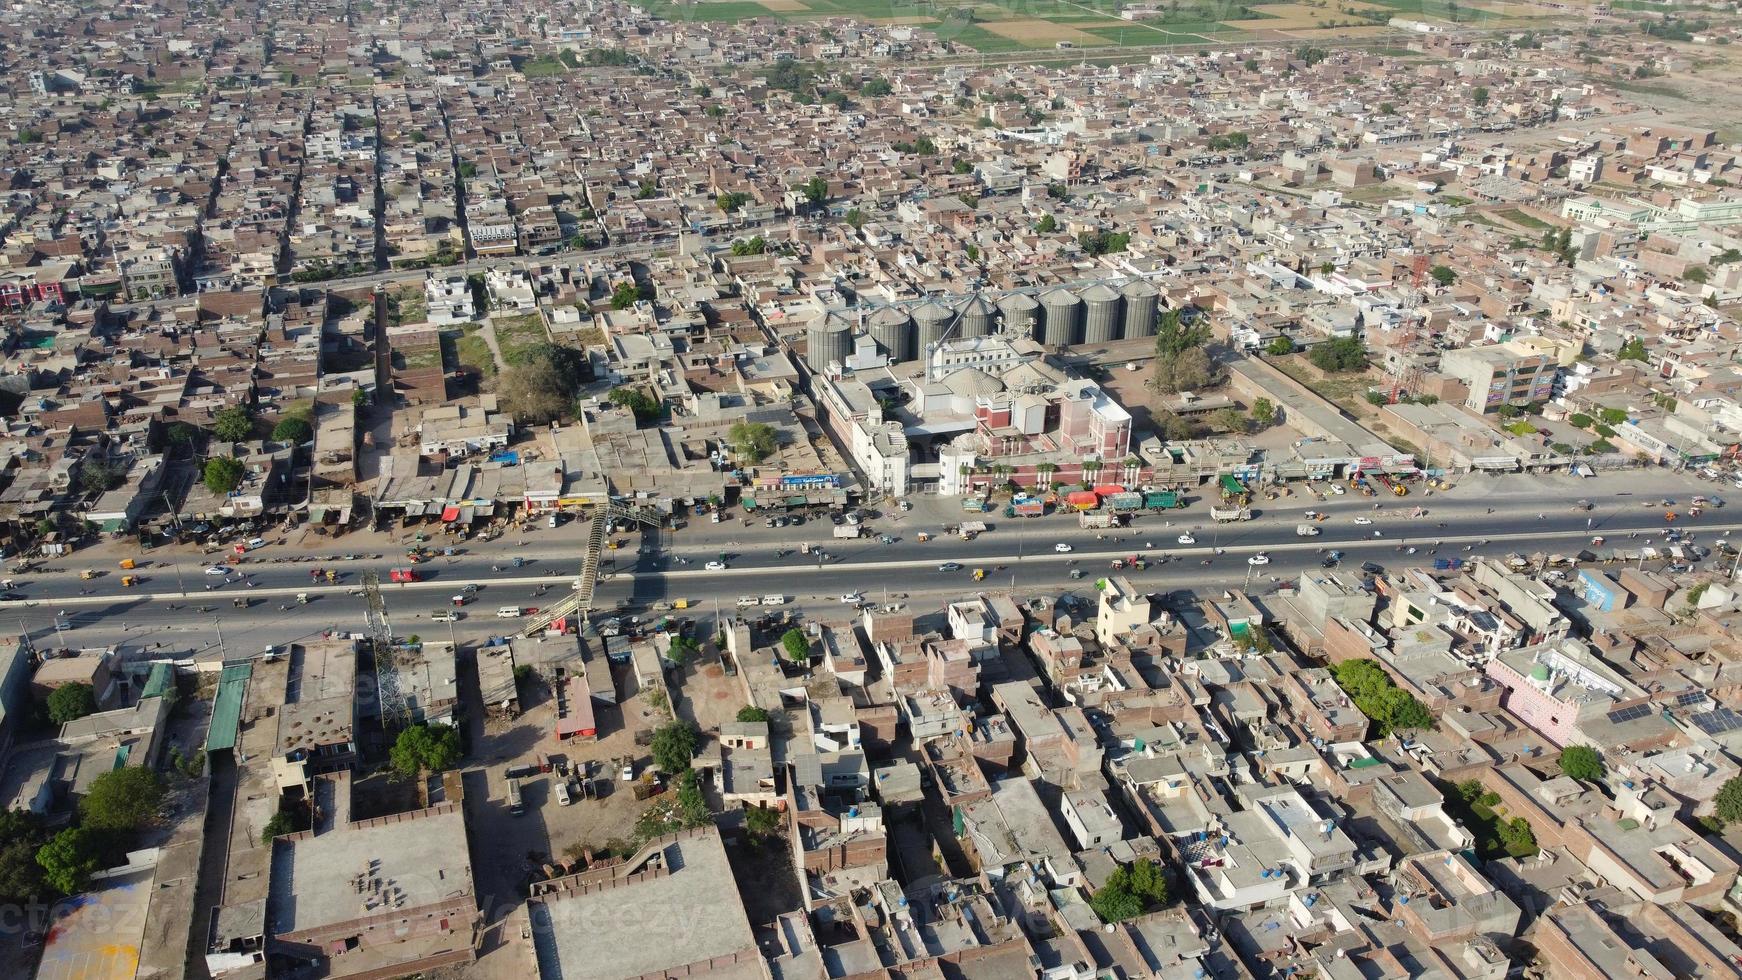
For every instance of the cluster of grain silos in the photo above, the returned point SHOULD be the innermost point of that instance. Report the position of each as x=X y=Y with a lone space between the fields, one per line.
x=1060 y=311
x=1141 y=300
x=892 y=329
x=934 y=320
x=830 y=339
x=979 y=318
x=1101 y=307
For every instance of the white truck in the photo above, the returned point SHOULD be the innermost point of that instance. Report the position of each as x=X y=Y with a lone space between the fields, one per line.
x=971 y=528
x=1306 y=531
x=1226 y=514
x=1097 y=520
x=847 y=530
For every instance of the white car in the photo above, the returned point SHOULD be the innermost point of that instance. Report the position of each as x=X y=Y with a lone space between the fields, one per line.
x=1062 y=548
x=852 y=598
x=217 y=570
x=1187 y=539
x=1338 y=489
x=715 y=566
x=1259 y=559
x=1363 y=521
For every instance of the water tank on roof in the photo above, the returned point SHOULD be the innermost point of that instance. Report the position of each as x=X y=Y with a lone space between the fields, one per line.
x=978 y=317
x=1061 y=309
x=1101 y=314
x=831 y=340
x=892 y=329
x=1021 y=316
x=933 y=320
x=1141 y=301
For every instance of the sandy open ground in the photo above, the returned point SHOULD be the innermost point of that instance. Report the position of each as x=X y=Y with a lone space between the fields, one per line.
x=1040 y=32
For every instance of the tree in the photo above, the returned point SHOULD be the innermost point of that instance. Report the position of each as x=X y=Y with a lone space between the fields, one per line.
x=1610 y=416
x=223 y=474
x=233 y=424
x=1728 y=803
x=674 y=745
x=626 y=294
x=70 y=702
x=795 y=645
x=1443 y=275
x=1339 y=354
x=854 y=218
x=1280 y=347
x=755 y=441
x=1229 y=420
x=1697 y=274
x=292 y=429
x=755 y=245
x=180 y=433
x=761 y=821
x=534 y=391
x=571 y=363
x=1047 y=224
x=692 y=806
x=1581 y=762
x=816 y=190
x=22 y=834
x=1189 y=370
x=1579 y=420
x=1263 y=411
x=98 y=475
x=731 y=201
x=281 y=823
x=69 y=859
x=425 y=748
x=122 y=800
x=1129 y=891
x=1480 y=96
x=360 y=398
x=750 y=713
x=875 y=87
x=637 y=400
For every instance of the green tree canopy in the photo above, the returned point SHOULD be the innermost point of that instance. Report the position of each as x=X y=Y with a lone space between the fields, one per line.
x=1728 y=803
x=795 y=645
x=233 y=424
x=292 y=429
x=637 y=400
x=674 y=745
x=535 y=391
x=1632 y=350
x=692 y=805
x=1263 y=411
x=1389 y=707
x=1443 y=275
x=816 y=190
x=1279 y=347
x=70 y=702
x=1130 y=891
x=1339 y=354
x=69 y=859
x=751 y=712
x=1047 y=224
x=22 y=834
x=425 y=748
x=223 y=474
x=761 y=821
x=875 y=87
x=123 y=800
x=754 y=441
x=1581 y=762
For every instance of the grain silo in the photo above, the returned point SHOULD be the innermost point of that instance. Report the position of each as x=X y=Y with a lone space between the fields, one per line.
x=831 y=340
x=934 y=320
x=1100 y=314
x=1140 y=302
x=892 y=329
x=978 y=317
x=1021 y=316
x=1060 y=322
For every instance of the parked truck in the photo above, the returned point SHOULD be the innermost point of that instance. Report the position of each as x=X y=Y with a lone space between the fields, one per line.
x=969 y=529
x=401 y=575
x=847 y=530
x=1448 y=564
x=1306 y=531
x=1227 y=514
x=1032 y=507
x=1099 y=520
x=1163 y=500
x=1126 y=503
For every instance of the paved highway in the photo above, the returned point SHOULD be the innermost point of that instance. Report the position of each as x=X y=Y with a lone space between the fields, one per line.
x=1018 y=554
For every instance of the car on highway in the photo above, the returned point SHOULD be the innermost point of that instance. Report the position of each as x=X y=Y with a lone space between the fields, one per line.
x=1337 y=489
x=218 y=570
x=715 y=566
x=1062 y=548
x=1259 y=559
x=852 y=598
x=950 y=566
x=461 y=598
x=1363 y=521
x=1187 y=539
x=445 y=616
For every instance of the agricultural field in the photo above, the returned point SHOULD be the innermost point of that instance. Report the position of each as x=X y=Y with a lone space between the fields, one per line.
x=1017 y=25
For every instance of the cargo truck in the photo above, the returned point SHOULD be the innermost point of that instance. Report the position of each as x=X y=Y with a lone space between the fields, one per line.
x=1125 y=503
x=1098 y=520
x=1162 y=500
x=1030 y=508
x=847 y=530
x=971 y=528
x=1227 y=514
x=1306 y=531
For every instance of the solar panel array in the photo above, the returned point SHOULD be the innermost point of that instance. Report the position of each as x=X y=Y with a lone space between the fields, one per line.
x=1629 y=713
x=1717 y=721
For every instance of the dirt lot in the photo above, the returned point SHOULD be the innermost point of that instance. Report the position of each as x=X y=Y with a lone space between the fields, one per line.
x=707 y=696
x=1040 y=32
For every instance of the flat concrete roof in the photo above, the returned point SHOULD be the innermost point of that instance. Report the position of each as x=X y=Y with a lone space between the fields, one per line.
x=98 y=934
x=691 y=914
x=418 y=860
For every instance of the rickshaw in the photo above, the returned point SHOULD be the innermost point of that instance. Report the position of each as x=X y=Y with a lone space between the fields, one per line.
x=129 y=581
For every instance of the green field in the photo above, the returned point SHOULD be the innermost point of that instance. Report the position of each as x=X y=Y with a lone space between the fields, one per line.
x=1018 y=25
